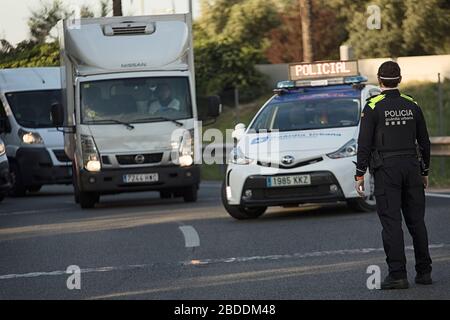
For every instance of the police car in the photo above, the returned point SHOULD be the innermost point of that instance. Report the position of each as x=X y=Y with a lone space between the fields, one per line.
x=301 y=145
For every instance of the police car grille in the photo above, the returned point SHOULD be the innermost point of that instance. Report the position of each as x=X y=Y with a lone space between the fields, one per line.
x=130 y=159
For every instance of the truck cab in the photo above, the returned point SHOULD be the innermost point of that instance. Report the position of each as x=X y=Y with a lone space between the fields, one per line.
x=34 y=146
x=301 y=146
x=129 y=110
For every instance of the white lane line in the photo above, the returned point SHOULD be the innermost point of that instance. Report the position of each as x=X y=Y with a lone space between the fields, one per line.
x=301 y=255
x=438 y=195
x=211 y=261
x=191 y=238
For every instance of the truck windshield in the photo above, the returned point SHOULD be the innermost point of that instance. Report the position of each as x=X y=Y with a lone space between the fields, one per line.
x=308 y=113
x=32 y=109
x=135 y=100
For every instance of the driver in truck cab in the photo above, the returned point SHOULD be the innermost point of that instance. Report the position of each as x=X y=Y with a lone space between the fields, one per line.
x=165 y=102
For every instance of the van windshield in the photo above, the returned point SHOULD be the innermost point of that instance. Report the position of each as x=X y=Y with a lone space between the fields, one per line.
x=135 y=100
x=307 y=114
x=32 y=109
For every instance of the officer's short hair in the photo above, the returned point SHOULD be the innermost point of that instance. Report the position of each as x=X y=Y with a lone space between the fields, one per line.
x=389 y=74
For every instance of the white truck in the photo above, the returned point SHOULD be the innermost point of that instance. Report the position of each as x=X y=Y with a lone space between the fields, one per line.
x=129 y=109
x=301 y=145
x=34 y=147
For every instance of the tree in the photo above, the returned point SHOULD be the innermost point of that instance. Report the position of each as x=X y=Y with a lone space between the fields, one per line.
x=43 y=20
x=306 y=17
x=286 y=39
x=117 y=8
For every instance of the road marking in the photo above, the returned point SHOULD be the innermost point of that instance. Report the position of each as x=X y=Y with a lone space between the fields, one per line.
x=438 y=195
x=18 y=213
x=191 y=238
x=211 y=261
x=300 y=255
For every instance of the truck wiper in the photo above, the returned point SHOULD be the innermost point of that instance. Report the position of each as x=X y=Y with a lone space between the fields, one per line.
x=155 y=119
x=126 y=124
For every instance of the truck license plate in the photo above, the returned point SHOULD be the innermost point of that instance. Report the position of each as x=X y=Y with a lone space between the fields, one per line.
x=140 y=178
x=286 y=181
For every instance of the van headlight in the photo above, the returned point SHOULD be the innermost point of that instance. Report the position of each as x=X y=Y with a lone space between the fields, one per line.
x=348 y=150
x=238 y=157
x=91 y=158
x=2 y=148
x=30 y=137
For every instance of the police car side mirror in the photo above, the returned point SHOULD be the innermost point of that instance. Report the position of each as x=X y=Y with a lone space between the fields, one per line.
x=238 y=132
x=57 y=115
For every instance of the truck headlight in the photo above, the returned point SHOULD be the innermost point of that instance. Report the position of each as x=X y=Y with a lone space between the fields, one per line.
x=30 y=137
x=2 y=148
x=184 y=149
x=348 y=150
x=238 y=157
x=91 y=158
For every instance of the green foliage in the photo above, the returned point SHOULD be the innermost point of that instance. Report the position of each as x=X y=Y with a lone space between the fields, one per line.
x=408 y=27
x=30 y=54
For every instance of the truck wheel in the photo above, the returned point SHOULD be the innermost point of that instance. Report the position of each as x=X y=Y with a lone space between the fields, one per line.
x=165 y=194
x=190 y=194
x=88 y=199
x=18 y=188
x=240 y=212
x=34 y=188
x=2 y=197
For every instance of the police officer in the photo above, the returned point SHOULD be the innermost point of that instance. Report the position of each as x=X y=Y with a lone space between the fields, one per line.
x=393 y=134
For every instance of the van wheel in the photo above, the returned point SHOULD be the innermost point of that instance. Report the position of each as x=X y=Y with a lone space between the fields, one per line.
x=88 y=199
x=18 y=188
x=34 y=188
x=190 y=194
x=240 y=212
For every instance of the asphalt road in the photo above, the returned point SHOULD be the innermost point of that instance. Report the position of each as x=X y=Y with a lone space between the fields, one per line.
x=136 y=246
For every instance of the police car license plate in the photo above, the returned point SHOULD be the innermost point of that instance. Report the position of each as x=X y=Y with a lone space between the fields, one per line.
x=140 y=178
x=287 y=181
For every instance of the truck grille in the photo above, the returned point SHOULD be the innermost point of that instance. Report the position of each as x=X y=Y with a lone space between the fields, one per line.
x=137 y=159
x=61 y=156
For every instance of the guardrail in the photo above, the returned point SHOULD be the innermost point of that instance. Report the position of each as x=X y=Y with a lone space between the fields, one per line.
x=440 y=146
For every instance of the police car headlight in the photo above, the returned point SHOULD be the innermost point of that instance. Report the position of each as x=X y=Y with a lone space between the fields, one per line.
x=2 y=148
x=238 y=157
x=30 y=137
x=348 y=150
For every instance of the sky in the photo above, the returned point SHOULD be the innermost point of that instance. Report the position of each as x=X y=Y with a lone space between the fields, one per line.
x=15 y=13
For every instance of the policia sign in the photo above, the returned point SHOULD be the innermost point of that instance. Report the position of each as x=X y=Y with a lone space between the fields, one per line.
x=322 y=70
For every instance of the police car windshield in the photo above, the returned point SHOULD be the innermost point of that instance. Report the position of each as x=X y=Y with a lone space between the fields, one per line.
x=32 y=109
x=308 y=112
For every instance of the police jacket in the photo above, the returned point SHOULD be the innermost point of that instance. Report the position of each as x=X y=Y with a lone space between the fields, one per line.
x=392 y=123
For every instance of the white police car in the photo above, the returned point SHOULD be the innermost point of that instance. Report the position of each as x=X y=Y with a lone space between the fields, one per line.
x=300 y=146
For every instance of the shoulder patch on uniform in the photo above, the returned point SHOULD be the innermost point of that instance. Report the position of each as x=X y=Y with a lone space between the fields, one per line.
x=407 y=97
x=374 y=100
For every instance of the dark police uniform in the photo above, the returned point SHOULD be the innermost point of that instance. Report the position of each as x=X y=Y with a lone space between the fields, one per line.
x=393 y=124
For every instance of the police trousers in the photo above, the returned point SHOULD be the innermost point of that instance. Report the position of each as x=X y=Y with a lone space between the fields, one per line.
x=399 y=189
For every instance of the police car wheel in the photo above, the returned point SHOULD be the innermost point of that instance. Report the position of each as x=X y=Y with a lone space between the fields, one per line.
x=240 y=212
x=361 y=205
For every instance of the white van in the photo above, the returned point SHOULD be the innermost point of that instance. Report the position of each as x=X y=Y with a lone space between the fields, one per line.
x=5 y=182
x=35 y=148
x=129 y=107
x=301 y=145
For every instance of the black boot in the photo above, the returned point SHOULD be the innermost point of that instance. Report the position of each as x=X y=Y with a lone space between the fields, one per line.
x=391 y=283
x=424 y=278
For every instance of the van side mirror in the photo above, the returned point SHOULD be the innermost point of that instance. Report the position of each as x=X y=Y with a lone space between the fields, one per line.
x=5 y=126
x=57 y=115
x=209 y=107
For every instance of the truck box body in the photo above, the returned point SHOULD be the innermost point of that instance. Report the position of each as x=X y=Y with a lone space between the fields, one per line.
x=129 y=93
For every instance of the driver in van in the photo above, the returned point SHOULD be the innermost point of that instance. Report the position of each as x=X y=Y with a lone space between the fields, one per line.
x=166 y=101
